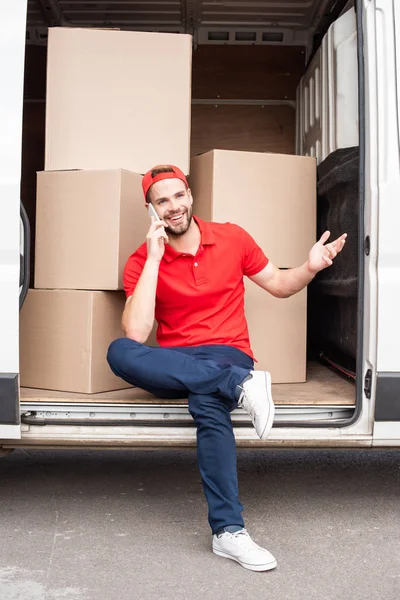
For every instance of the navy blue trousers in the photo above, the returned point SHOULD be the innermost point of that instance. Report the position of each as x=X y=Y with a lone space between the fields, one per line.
x=207 y=376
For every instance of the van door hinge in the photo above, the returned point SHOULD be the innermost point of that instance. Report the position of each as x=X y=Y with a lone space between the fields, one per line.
x=368 y=384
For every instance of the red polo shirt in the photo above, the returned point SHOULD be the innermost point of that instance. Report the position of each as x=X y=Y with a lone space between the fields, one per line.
x=200 y=299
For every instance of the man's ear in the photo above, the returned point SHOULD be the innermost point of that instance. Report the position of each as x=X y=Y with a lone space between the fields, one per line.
x=189 y=191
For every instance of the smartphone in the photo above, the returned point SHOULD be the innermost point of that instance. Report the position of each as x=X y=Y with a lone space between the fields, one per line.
x=152 y=212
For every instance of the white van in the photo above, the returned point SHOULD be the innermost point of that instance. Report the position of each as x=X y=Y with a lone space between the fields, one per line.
x=348 y=100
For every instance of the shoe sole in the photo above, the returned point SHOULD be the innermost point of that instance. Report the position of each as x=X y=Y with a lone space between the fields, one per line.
x=271 y=414
x=264 y=567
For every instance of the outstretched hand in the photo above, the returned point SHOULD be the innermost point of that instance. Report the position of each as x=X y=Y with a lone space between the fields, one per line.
x=322 y=255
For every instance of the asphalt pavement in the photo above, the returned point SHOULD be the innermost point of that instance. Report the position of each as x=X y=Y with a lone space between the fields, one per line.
x=132 y=525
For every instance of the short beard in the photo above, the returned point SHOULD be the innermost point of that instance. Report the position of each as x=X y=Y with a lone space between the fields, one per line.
x=181 y=229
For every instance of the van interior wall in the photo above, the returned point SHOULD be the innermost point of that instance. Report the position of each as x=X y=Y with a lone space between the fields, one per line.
x=239 y=75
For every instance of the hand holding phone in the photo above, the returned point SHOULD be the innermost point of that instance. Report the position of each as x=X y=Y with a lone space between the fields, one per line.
x=156 y=238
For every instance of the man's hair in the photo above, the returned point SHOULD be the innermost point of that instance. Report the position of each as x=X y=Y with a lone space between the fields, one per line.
x=157 y=171
x=161 y=169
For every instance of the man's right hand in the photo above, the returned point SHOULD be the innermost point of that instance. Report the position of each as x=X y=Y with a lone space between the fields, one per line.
x=156 y=239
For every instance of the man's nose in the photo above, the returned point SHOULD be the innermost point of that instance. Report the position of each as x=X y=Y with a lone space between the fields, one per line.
x=175 y=205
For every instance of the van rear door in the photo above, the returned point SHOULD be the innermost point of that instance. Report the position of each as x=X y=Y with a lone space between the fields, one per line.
x=12 y=54
x=382 y=25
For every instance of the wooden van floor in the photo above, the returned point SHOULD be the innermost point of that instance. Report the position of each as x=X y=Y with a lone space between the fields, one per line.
x=322 y=388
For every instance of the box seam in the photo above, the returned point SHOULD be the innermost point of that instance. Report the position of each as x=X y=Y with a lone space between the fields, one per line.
x=91 y=305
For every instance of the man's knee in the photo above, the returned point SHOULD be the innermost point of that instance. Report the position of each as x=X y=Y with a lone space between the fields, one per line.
x=117 y=351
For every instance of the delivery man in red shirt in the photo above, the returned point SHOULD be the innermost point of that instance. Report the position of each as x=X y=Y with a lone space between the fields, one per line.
x=188 y=275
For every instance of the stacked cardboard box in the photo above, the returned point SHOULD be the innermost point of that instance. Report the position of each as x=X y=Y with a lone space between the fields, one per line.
x=112 y=110
x=273 y=197
x=87 y=224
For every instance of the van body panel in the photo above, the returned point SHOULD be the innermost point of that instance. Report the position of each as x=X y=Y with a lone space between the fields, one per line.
x=12 y=55
x=383 y=88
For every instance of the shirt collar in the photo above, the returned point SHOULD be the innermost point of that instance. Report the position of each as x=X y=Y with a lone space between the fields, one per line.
x=207 y=234
x=207 y=239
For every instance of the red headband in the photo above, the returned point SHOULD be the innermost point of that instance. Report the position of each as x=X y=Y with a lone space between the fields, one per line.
x=148 y=179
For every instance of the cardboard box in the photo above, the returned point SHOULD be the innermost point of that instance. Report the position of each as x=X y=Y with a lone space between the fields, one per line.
x=272 y=196
x=117 y=99
x=87 y=225
x=64 y=337
x=278 y=333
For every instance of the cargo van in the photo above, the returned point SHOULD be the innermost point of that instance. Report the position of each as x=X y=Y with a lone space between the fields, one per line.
x=319 y=79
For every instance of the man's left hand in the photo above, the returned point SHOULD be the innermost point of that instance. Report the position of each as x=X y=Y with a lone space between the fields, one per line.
x=322 y=255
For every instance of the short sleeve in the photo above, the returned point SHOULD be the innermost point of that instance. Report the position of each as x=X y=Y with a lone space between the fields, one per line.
x=133 y=270
x=254 y=259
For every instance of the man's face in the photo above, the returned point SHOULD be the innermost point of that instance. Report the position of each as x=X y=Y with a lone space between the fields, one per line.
x=173 y=204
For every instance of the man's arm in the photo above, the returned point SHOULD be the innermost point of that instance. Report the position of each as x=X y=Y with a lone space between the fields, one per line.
x=138 y=315
x=285 y=283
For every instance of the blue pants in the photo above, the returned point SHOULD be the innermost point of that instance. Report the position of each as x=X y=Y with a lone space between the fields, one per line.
x=207 y=376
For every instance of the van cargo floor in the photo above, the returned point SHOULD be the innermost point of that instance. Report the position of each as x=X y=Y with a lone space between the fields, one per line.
x=323 y=388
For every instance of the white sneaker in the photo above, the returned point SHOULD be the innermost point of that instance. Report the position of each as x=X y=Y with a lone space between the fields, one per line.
x=256 y=400
x=240 y=547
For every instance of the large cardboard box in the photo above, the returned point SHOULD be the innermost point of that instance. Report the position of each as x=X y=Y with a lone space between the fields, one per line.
x=64 y=336
x=117 y=99
x=278 y=333
x=87 y=225
x=272 y=196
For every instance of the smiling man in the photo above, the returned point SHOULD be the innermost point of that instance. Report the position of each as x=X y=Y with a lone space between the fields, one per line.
x=188 y=275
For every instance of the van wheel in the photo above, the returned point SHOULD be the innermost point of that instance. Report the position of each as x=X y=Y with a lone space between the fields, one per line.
x=5 y=452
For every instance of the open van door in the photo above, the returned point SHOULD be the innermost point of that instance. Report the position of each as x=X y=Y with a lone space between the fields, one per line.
x=12 y=54
x=382 y=59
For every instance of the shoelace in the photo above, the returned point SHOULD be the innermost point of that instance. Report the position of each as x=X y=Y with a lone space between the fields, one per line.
x=250 y=408
x=244 y=539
